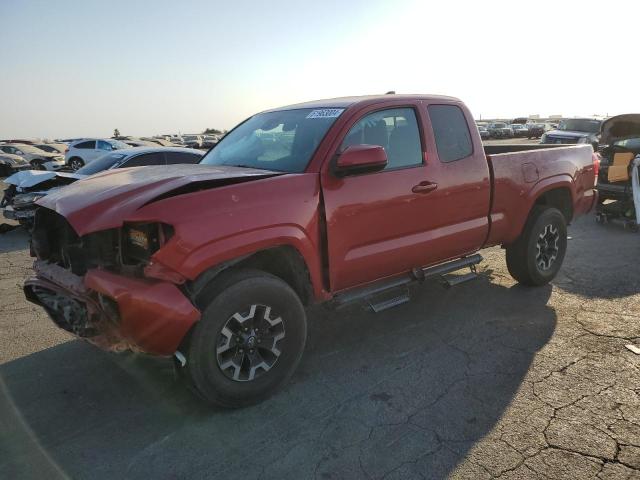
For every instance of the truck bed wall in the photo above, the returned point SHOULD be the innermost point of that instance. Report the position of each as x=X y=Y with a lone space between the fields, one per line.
x=520 y=178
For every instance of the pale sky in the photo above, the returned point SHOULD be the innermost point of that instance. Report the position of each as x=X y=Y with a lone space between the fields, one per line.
x=82 y=68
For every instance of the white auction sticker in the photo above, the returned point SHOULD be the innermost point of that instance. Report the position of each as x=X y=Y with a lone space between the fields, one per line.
x=325 y=113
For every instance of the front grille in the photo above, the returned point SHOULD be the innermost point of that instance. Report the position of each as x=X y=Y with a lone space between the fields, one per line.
x=53 y=239
x=561 y=140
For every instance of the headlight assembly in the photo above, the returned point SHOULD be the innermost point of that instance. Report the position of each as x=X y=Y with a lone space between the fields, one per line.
x=141 y=240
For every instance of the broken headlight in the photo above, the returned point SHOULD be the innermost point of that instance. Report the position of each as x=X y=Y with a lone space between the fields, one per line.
x=141 y=240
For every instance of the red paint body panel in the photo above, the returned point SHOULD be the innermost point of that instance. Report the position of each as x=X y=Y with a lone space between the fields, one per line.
x=155 y=316
x=564 y=167
x=349 y=230
x=105 y=199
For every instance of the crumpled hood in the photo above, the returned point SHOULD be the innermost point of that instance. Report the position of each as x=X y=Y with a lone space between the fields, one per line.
x=104 y=200
x=30 y=178
x=620 y=127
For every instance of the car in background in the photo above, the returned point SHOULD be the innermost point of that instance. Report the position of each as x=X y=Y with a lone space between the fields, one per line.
x=10 y=164
x=60 y=148
x=26 y=187
x=519 y=130
x=484 y=133
x=192 y=141
x=160 y=141
x=38 y=159
x=208 y=141
x=500 y=130
x=574 y=130
x=536 y=130
x=137 y=142
x=83 y=152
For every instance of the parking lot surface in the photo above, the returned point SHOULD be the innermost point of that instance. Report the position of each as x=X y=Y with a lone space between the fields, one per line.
x=485 y=380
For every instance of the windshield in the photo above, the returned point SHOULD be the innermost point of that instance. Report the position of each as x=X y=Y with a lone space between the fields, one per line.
x=283 y=141
x=103 y=163
x=118 y=144
x=580 y=125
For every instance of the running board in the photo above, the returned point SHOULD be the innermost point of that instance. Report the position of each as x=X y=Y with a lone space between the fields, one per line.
x=453 y=280
x=390 y=302
x=417 y=275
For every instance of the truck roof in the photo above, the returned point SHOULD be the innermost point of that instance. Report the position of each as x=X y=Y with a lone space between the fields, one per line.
x=345 y=102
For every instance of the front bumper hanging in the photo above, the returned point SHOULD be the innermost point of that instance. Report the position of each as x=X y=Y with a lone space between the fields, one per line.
x=113 y=311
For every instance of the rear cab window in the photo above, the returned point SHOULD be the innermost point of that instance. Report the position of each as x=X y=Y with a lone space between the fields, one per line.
x=451 y=132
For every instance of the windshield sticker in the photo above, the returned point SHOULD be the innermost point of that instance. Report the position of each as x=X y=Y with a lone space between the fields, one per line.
x=325 y=113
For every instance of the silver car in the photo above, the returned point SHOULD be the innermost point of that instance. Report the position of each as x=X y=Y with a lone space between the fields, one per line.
x=38 y=159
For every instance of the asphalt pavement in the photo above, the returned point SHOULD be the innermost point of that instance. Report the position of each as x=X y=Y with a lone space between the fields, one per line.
x=485 y=380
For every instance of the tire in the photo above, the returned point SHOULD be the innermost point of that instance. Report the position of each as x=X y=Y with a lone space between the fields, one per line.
x=249 y=340
x=76 y=163
x=36 y=166
x=535 y=258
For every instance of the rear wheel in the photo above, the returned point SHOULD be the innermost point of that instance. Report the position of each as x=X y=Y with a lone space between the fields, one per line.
x=249 y=341
x=76 y=163
x=537 y=255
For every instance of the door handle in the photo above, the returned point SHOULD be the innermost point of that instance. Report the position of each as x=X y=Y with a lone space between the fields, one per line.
x=424 y=187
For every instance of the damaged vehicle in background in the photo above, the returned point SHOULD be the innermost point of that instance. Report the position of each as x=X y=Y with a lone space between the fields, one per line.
x=25 y=188
x=10 y=164
x=38 y=159
x=619 y=146
x=333 y=201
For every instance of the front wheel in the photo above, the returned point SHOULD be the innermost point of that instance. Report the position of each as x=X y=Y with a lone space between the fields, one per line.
x=536 y=256
x=249 y=340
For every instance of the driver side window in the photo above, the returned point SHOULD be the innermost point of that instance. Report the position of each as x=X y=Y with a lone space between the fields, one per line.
x=396 y=130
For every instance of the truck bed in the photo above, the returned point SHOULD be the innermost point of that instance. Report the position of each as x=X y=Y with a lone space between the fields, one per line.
x=521 y=173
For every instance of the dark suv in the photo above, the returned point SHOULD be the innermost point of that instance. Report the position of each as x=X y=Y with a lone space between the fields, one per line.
x=574 y=130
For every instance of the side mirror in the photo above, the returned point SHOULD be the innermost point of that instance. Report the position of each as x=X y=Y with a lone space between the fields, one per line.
x=361 y=159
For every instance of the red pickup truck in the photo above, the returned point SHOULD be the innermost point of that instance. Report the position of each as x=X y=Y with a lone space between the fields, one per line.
x=329 y=201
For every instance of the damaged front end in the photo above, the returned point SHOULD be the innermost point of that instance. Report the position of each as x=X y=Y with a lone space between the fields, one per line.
x=93 y=286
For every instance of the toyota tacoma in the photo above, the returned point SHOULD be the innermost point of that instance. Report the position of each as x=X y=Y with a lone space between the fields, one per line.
x=333 y=201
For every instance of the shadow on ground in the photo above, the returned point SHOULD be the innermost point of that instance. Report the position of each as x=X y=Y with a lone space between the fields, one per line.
x=414 y=386
x=589 y=268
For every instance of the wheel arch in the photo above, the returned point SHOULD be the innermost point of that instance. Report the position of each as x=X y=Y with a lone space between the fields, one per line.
x=283 y=261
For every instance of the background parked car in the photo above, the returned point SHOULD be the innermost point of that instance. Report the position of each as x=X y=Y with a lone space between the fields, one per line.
x=38 y=159
x=574 y=130
x=10 y=164
x=27 y=187
x=484 y=133
x=500 y=130
x=519 y=130
x=136 y=142
x=209 y=141
x=536 y=130
x=83 y=152
x=59 y=148
x=192 y=141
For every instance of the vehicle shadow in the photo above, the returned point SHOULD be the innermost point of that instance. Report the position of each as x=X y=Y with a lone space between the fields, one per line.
x=414 y=387
x=600 y=261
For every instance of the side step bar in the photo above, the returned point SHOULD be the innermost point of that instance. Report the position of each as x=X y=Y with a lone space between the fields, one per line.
x=417 y=275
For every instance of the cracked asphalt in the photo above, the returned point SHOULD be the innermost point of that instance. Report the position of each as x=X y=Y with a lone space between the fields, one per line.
x=485 y=380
